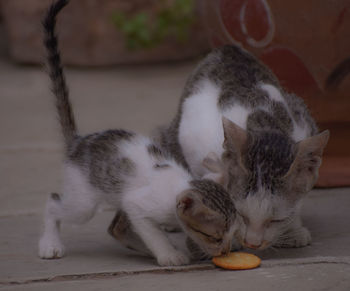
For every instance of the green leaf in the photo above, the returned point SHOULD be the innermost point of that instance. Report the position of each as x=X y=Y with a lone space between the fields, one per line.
x=141 y=31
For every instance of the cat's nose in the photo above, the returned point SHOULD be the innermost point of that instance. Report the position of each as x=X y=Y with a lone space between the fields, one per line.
x=251 y=246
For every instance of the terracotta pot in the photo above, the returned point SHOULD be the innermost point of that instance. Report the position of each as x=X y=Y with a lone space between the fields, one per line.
x=88 y=35
x=307 y=45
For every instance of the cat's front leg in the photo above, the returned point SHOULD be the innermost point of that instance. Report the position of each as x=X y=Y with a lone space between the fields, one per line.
x=121 y=229
x=295 y=237
x=50 y=245
x=157 y=242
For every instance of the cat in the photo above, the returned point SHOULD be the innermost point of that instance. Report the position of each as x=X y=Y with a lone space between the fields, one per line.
x=132 y=174
x=263 y=145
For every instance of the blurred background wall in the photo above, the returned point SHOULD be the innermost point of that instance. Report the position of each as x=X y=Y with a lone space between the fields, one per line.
x=108 y=32
x=305 y=43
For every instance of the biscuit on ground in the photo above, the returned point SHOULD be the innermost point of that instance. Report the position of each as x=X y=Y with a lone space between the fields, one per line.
x=237 y=261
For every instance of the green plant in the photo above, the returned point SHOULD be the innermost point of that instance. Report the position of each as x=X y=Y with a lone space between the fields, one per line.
x=141 y=31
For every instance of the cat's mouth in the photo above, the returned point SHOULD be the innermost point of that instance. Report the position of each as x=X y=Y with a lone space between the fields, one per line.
x=264 y=245
x=213 y=251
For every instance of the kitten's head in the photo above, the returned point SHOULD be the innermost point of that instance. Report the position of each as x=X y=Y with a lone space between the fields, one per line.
x=206 y=213
x=266 y=174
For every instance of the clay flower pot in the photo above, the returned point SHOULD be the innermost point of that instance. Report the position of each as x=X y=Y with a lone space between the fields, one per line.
x=89 y=35
x=307 y=45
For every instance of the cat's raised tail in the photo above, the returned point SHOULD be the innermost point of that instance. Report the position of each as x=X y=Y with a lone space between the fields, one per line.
x=59 y=86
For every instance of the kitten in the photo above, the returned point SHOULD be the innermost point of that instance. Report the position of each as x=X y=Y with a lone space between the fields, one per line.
x=265 y=147
x=132 y=174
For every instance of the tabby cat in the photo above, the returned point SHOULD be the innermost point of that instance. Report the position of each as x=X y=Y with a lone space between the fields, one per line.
x=264 y=146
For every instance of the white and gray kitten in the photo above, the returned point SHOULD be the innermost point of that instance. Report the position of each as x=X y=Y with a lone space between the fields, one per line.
x=264 y=145
x=132 y=174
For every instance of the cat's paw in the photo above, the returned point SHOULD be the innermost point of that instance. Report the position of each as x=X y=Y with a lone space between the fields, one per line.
x=303 y=238
x=50 y=248
x=174 y=258
x=295 y=238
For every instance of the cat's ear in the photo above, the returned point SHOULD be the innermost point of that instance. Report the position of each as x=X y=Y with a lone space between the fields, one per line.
x=235 y=136
x=189 y=205
x=214 y=164
x=235 y=141
x=185 y=203
x=303 y=172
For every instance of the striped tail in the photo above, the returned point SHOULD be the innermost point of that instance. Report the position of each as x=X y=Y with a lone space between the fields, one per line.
x=59 y=86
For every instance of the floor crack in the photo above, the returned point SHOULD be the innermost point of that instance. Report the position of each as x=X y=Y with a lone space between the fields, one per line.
x=169 y=270
x=109 y=275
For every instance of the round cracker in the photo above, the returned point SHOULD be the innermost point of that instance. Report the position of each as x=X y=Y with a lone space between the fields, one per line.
x=237 y=261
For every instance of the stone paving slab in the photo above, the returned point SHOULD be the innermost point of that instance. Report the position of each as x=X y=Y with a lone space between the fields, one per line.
x=287 y=278
x=26 y=179
x=91 y=252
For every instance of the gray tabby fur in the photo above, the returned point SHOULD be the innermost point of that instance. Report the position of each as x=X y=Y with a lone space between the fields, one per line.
x=237 y=73
x=268 y=163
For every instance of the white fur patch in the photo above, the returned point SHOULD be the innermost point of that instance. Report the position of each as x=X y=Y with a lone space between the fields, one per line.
x=273 y=92
x=79 y=199
x=200 y=129
x=299 y=133
x=152 y=191
x=257 y=208
x=238 y=114
x=157 y=199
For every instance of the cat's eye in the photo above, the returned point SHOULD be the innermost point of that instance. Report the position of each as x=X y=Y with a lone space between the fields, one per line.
x=202 y=233
x=274 y=221
x=277 y=220
x=210 y=238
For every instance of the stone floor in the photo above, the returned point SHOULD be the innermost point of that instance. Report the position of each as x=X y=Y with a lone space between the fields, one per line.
x=135 y=98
